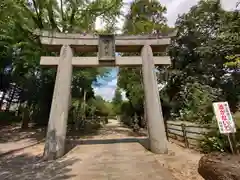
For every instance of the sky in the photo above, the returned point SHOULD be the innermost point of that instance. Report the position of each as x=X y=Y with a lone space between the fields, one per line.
x=108 y=89
x=174 y=8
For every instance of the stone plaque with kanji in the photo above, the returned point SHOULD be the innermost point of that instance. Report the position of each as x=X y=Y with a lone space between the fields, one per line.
x=106 y=48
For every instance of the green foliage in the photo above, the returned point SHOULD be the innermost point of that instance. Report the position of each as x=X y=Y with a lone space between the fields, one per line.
x=202 y=70
x=197 y=103
x=127 y=113
x=117 y=101
x=205 y=65
x=101 y=107
x=214 y=141
x=145 y=17
x=130 y=81
x=20 y=48
x=234 y=61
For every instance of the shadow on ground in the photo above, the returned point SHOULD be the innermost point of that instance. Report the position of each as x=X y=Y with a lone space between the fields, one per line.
x=26 y=167
x=70 y=144
x=127 y=132
x=3 y=154
x=81 y=133
x=15 y=133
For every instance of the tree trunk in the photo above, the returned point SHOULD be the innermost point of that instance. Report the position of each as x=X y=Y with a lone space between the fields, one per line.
x=84 y=105
x=144 y=119
x=11 y=98
x=76 y=116
x=24 y=116
x=2 y=99
x=25 y=119
x=83 y=108
x=18 y=109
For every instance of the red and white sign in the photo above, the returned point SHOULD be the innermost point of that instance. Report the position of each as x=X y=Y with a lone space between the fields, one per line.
x=224 y=118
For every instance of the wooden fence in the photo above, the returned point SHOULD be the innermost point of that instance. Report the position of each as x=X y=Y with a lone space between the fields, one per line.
x=187 y=134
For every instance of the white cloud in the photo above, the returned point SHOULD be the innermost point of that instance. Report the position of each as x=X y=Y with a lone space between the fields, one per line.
x=107 y=93
x=176 y=7
x=229 y=4
x=113 y=82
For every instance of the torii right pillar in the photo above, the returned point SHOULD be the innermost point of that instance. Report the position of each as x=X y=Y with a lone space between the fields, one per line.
x=153 y=109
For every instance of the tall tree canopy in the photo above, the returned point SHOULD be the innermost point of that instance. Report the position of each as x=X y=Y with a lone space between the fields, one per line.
x=144 y=17
x=22 y=79
x=204 y=54
x=204 y=63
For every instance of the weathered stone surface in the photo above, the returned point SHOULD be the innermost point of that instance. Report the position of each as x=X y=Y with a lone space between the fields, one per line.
x=57 y=126
x=218 y=166
x=89 y=43
x=156 y=128
x=93 y=61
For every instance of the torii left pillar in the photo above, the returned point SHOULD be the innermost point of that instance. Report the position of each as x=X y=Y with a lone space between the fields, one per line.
x=57 y=125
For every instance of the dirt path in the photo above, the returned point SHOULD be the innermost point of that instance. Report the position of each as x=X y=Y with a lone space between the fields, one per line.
x=114 y=153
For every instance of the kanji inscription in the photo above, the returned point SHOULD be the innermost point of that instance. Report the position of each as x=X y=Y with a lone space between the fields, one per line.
x=106 y=49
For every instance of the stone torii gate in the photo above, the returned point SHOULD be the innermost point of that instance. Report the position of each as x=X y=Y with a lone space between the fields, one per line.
x=105 y=45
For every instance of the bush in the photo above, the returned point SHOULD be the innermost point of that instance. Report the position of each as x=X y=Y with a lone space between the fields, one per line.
x=214 y=141
x=127 y=120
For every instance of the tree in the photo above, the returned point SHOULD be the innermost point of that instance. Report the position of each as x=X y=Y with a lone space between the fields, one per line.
x=20 y=49
x=145 y=17
x=199 y=54
x=117 y=101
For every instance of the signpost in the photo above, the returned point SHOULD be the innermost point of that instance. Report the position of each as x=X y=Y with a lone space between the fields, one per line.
x=225 y=121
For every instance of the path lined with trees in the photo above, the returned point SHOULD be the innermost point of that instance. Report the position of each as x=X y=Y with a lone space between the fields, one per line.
x=205 y=69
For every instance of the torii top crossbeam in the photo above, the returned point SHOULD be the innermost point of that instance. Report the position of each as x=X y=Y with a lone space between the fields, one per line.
x=89 y=43
x=106 y=46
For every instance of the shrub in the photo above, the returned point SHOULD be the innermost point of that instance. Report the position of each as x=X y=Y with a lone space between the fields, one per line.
x=127 y=120
x=214 y=141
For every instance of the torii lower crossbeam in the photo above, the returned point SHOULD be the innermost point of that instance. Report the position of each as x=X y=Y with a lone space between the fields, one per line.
x=94 y=61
